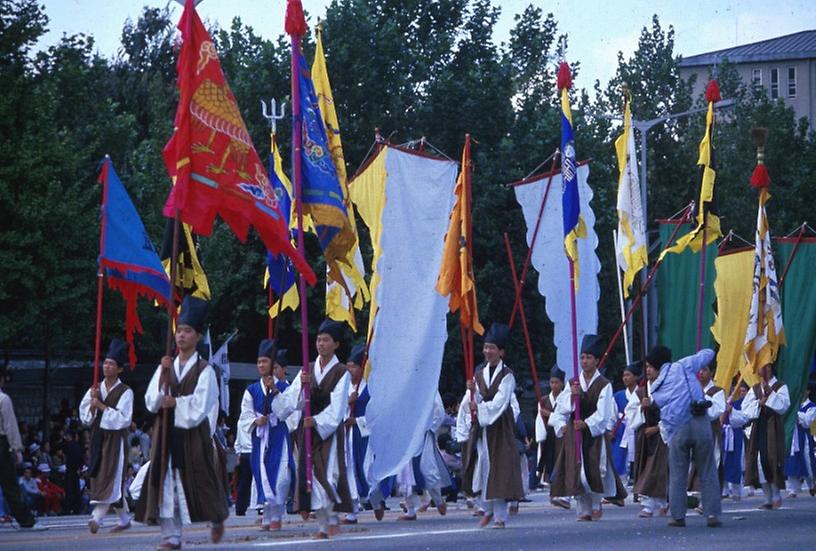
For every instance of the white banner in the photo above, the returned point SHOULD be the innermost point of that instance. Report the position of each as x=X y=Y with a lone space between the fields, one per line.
x=550 y=260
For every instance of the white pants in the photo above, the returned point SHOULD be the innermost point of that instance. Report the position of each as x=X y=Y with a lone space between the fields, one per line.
x=101 y=509
x=272 y=512
x=171 y=527
x=771 y=492
x=587 y=503
x=652 y=504
x=794 y=483
x=497 y=508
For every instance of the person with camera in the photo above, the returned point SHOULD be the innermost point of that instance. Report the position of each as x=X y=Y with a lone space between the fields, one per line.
x=716 y=396
x=686 y=428
x=765 y=404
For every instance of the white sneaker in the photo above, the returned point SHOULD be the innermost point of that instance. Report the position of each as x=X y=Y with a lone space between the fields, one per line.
x=36 y=527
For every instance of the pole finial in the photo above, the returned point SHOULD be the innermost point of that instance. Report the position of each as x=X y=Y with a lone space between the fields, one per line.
x=760 y=177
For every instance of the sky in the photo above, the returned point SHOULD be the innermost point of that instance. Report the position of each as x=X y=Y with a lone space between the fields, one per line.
x=597 y=29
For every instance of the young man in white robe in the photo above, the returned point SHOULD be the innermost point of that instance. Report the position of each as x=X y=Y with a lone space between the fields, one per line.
x=490 y=459
x=263 y=418
x=800 y=465
x=547 y=433
x=108 y=410
x=186 y=390
x=328 y=382
x=765 y=404
x=591 y=476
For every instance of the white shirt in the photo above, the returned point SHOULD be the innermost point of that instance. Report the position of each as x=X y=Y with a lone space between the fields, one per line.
x=117 y=418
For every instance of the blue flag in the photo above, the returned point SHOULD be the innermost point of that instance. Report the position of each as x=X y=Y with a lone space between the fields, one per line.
x=130 y=262
x=322 y=195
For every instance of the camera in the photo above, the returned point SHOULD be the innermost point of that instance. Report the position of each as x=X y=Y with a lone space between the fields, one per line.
x=699 y=407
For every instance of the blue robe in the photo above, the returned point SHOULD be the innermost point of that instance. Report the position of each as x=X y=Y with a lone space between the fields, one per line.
x=796 y=463
x=732 y=460
x=278 y=435
x=619 y=454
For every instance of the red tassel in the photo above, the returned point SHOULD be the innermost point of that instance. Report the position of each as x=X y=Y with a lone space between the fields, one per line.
x=295 y=20
x=564 y=76
x=760 y=178
x=712 y=92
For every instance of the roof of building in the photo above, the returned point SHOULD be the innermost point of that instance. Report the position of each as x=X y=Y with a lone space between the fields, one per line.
x=801 y=45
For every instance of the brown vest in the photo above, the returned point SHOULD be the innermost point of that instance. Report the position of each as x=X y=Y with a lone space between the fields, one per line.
x=320 y=399
x=106 y=447
x=567 y=470
x=768 y=441
x=651 y=467
x=504 y=475
x=194 y=454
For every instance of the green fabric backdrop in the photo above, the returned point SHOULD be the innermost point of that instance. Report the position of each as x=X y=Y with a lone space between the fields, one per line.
x=799 y=317
x=678 y=291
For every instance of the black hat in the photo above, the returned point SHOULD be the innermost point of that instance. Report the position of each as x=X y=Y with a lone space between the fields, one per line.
x=268 y=349
x=203 y=350
x=118 y=352
x=557 y=372
x=280 y=358
x=811 y=386
x=591 y=344
x=332 y=328
x=193 y=313
x=658 y=356
x=498 y=335
x=634 y=368
x=357 y=353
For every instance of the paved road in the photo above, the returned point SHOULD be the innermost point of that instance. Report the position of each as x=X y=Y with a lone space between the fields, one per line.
x=538 y=526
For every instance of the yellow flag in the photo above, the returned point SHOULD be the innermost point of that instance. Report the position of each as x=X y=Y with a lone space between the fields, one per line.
x=456 y=272
x=341 y=299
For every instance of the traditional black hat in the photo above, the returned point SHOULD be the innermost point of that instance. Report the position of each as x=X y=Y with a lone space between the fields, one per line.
x=658 y=356
x=268 y=349
x=591 y=344
x=557 y=372
x=118 y=352
x=203 y=350
x=811 y=386
x=498 y=335
x=193 y=313
x=280 y=358
x=357 y=353
x=634 y=368
x=332 y=328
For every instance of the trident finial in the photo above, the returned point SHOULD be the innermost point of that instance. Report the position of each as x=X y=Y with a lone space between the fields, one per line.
x=272 y=116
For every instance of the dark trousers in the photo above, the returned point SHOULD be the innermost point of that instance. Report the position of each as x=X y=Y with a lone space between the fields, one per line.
x=11 y=487
x=244 y=485
x=73 y=497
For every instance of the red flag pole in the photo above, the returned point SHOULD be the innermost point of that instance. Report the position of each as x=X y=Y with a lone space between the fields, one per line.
x=100 y=275
x=466 y=210
x=575 y=374
x=527 y=340
x=295 y=27
x=701 y=295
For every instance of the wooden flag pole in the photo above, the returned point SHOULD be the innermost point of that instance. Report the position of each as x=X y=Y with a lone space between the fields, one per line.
x=701 y=295
x=528 y=343
x=100 y=274
x=297 y=141
x=575 y=374
x=620 y=299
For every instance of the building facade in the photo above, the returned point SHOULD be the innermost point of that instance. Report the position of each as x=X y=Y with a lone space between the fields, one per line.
x=785 y=67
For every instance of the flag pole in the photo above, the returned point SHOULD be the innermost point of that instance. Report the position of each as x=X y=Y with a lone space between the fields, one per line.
x=620 y=299
x=100 y=275
x=575 y=375
x=701 y=295
x=528 y=343
x=686 y=212
x=296 y=26
x=517 y=302
x=468 y=195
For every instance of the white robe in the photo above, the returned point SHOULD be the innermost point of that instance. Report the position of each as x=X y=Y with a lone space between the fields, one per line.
x=714 y=412
x=487 y=413
x=435 y=474
x=778 y=400
x=246 y=425
x=326 y=423
x=112 y=419
x=190 y=411
x=598 y=423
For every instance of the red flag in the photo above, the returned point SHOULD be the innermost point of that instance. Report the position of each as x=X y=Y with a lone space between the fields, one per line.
x=211 y=156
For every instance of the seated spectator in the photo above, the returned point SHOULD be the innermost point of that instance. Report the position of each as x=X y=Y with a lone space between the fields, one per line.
x=30 y=491
x=52 y=494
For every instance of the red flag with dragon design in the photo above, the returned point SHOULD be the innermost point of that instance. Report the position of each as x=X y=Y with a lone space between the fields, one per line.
x=211 y=156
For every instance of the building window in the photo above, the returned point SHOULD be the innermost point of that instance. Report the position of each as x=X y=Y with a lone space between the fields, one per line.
x=774 y=83
x=791 y=82
x=756 y=77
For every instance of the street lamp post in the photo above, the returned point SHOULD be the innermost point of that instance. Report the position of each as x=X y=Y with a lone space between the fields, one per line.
x=643 y=127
